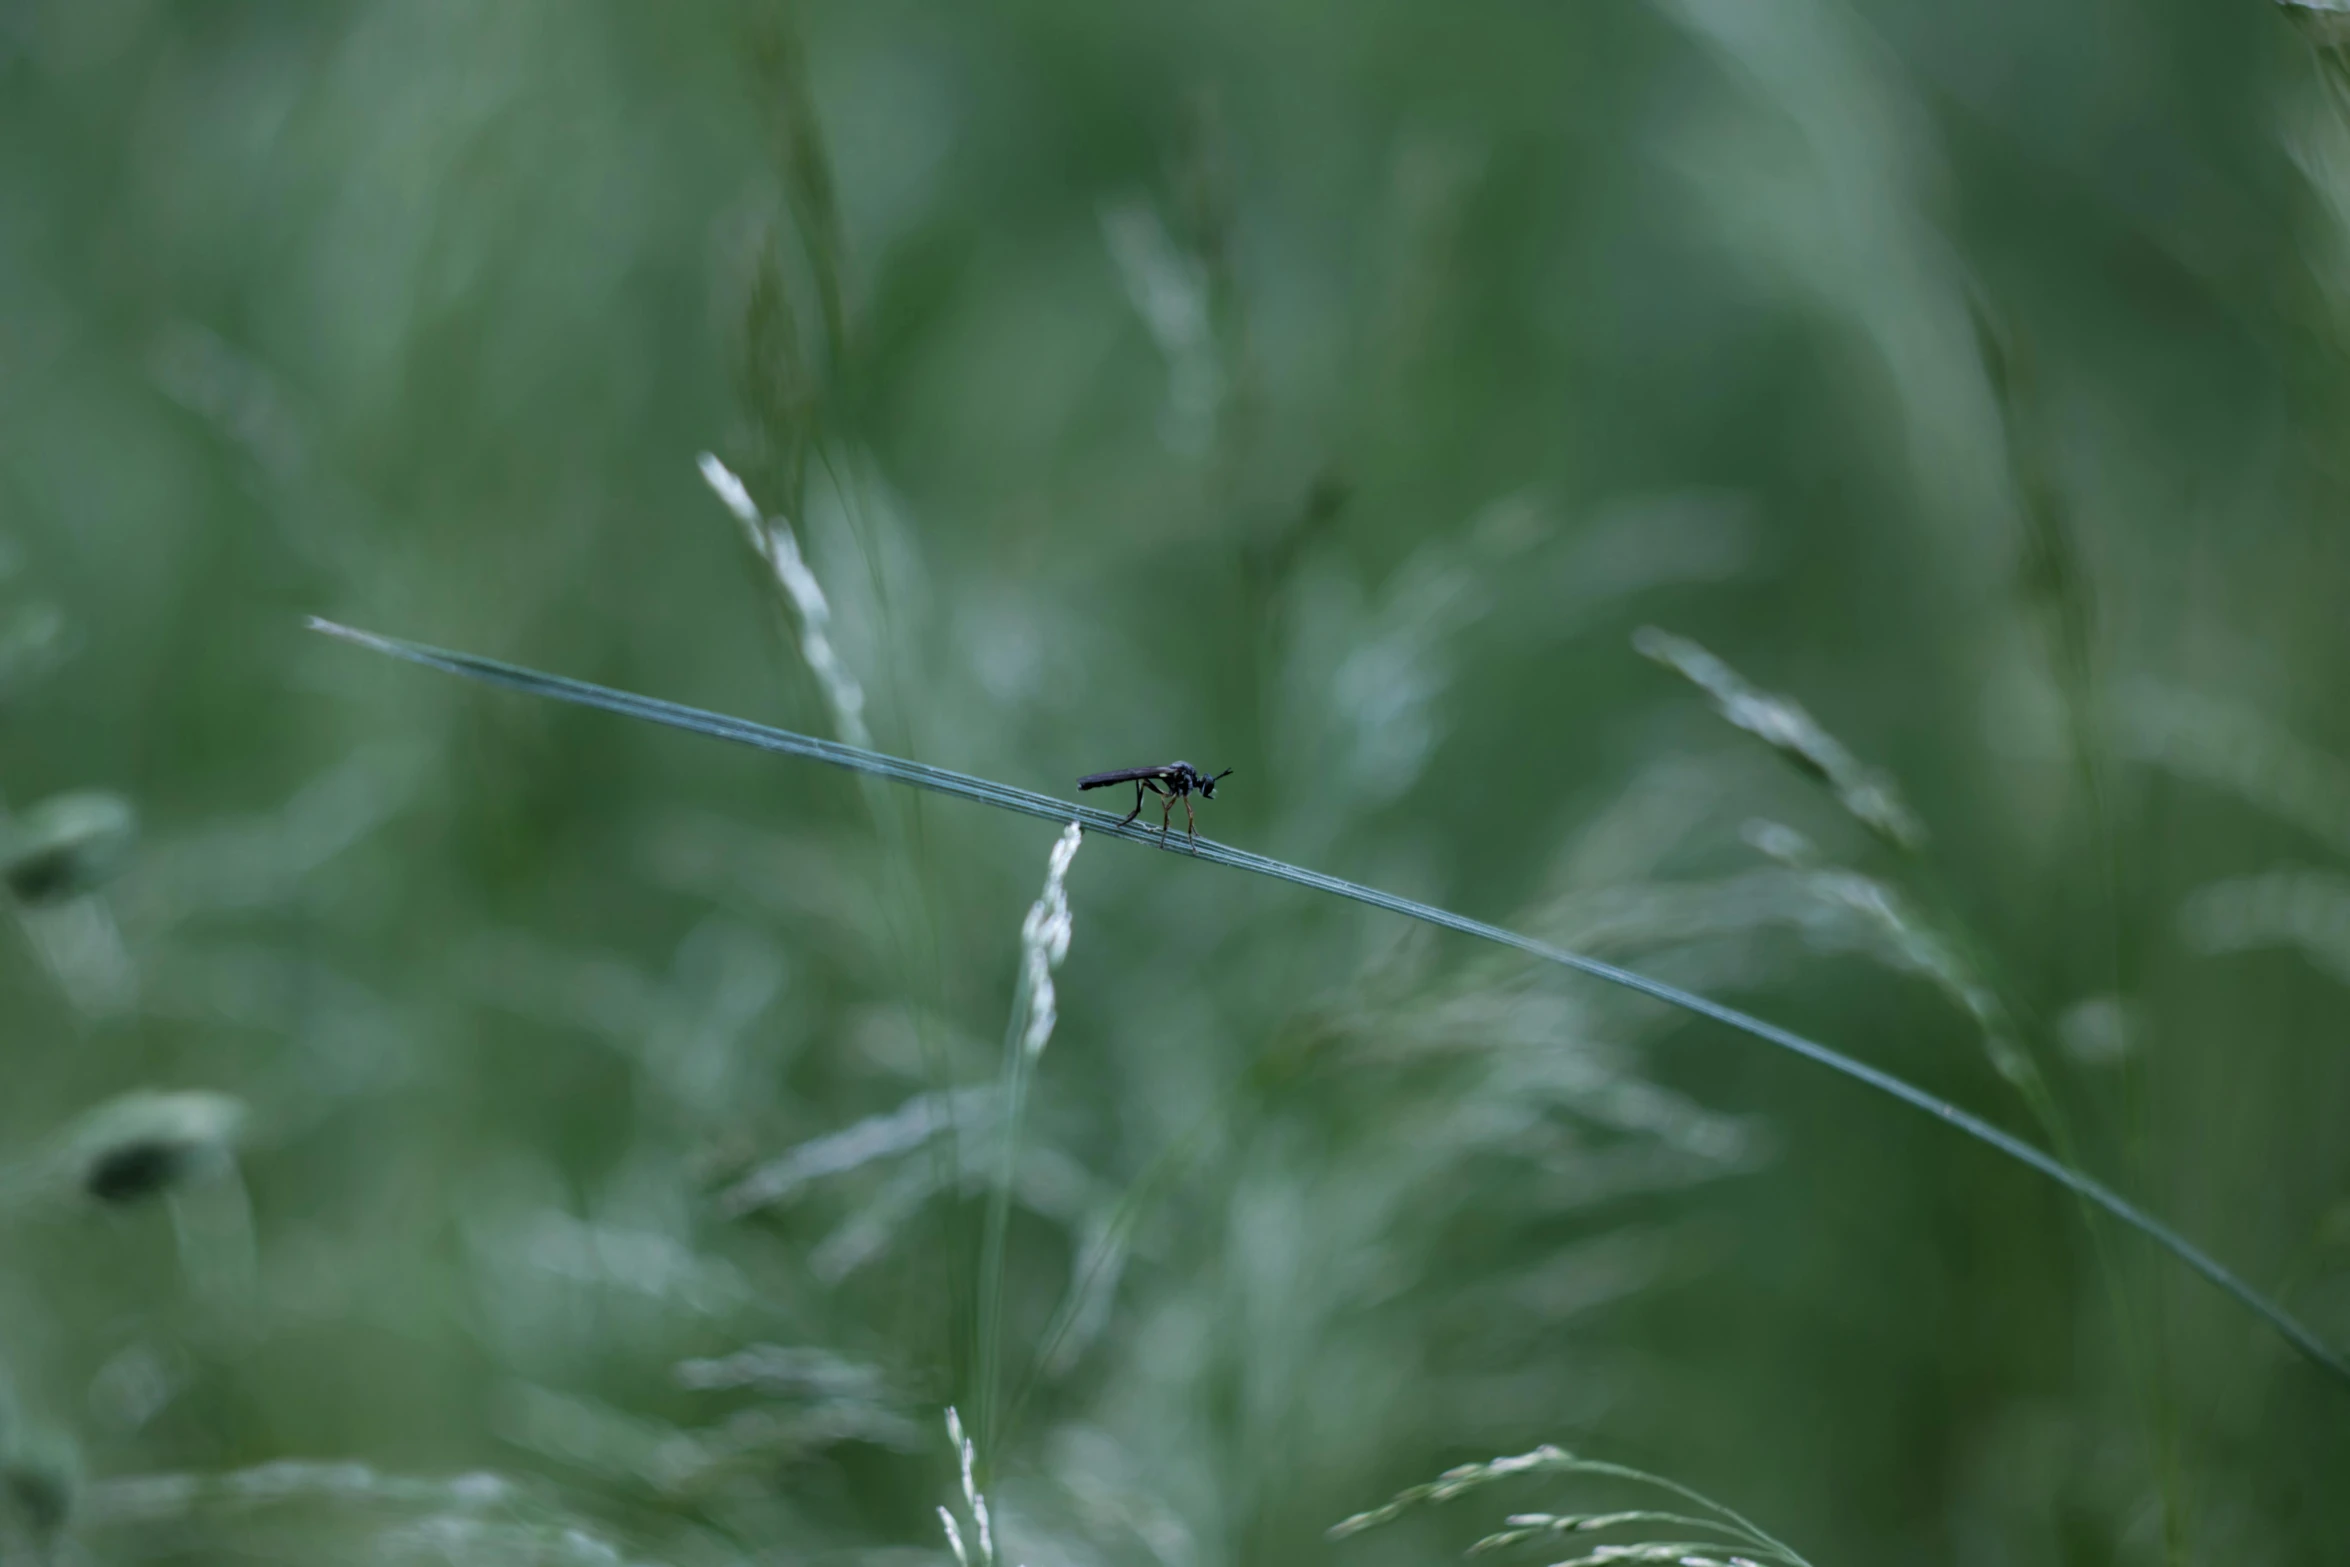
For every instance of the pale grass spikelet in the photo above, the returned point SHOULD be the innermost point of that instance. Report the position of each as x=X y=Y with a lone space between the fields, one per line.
x=1832 y=909
x=780 y=1371
x=1669 y=1553
x=2098 y=1031
x=1778 y=841
x=974 y=1501
x=968 y=1452
x=1170 y=292
x=1044 y=942
x=775 y=543
x=467 y=1517
x=876 y=1137
x=1530 y=1526
x=2227 y=747
x=249 y=862
x=1737 y=1542
x=2308 y=910
x=153 y=1498
x=1451 y=1483
x=734 y=497
x=1912 y=943
x=964 y=1451
x=1781 y=723
x=613 y=1257
x=81 y=944
x=1534 y=1526
x=202 y=372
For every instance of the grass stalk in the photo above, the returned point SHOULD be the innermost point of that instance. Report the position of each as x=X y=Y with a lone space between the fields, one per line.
x=1044 y=941
x=1029 y=803
x=995 y=1237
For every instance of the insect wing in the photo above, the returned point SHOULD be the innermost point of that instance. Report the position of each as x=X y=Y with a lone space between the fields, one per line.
x=1129 y=775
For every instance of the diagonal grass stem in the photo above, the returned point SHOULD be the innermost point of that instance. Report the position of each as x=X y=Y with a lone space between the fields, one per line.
x=1029 y=803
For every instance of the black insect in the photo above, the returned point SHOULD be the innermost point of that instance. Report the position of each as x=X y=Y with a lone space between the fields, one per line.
x=1175 y=781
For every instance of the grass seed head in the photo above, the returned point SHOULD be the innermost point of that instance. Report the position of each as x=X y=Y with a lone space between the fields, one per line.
x=40 y=1479
x=146 y=1144
x=1781 y=723
x=67 y=845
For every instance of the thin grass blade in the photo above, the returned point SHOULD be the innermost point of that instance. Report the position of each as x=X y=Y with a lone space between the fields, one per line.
x=1045 y=807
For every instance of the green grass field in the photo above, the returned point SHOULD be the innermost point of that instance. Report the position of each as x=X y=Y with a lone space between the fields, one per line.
x=1837 y=511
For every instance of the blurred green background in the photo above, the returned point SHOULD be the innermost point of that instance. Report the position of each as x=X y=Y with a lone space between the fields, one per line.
x=1322 y=391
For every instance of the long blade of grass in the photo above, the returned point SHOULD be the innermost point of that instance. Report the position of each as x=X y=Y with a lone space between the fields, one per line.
x=1028 y=803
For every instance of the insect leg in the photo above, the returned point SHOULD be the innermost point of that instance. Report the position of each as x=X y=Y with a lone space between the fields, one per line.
x=1137 y=811
x=1191 y=821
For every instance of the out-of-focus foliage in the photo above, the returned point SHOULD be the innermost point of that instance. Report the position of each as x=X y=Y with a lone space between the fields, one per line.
x=441 y=1128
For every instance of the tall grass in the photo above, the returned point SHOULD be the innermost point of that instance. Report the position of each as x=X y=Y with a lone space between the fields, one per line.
x=1024 y=802
x=442 y=1127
